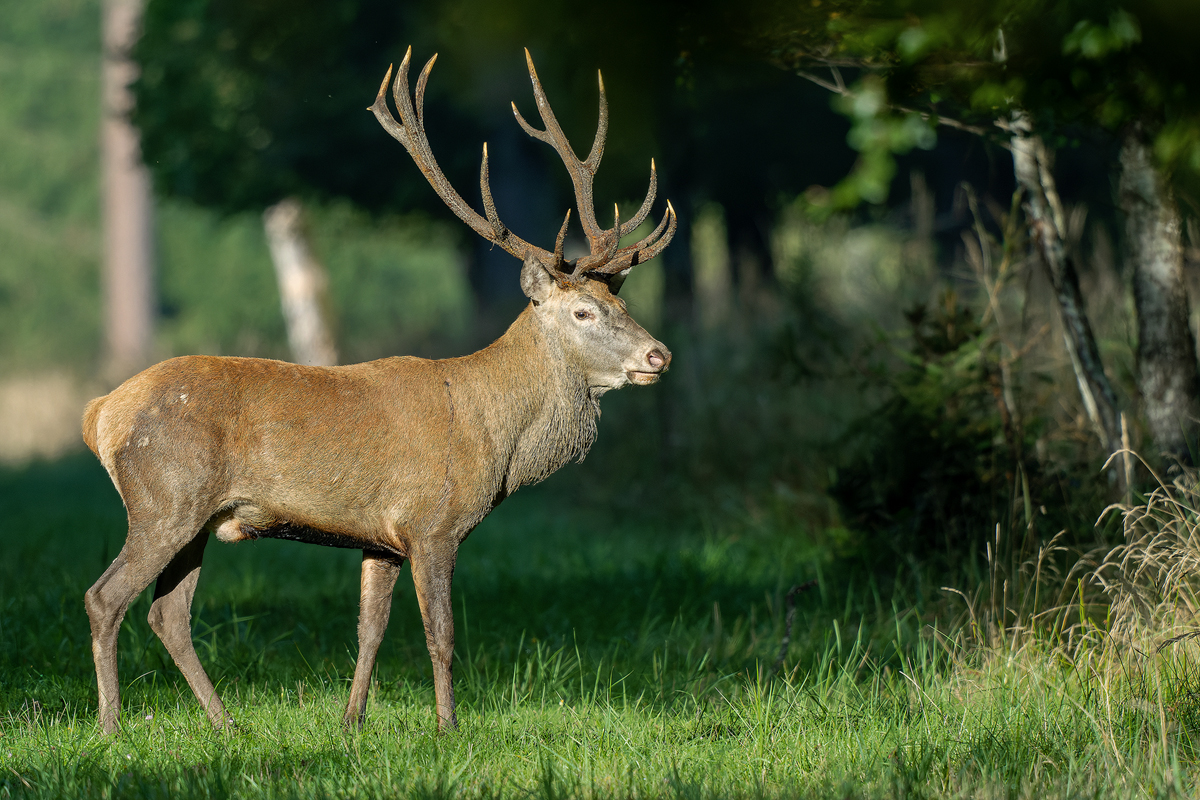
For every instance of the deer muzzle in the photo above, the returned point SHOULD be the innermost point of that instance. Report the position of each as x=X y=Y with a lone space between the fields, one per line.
x=655 y=363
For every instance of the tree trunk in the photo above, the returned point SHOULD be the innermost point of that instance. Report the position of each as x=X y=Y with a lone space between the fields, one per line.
x=1166 y=352
x=128 y=208
x=302 y=285
x=1032 y=166
x=751 y=266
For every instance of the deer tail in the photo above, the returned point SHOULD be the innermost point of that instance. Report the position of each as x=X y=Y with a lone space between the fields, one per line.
x=91 y=417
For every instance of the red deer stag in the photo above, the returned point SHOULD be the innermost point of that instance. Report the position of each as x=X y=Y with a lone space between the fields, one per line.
x=400 y=458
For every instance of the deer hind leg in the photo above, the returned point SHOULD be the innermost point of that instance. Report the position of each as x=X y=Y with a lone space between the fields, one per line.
x=379 y=574
x=106 y=602
x=171 y=619
x=433 y=573
x=154 y=540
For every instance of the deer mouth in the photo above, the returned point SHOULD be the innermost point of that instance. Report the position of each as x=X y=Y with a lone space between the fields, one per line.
x=642 y=378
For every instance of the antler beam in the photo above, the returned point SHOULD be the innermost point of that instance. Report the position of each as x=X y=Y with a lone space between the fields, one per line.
x=410 y=132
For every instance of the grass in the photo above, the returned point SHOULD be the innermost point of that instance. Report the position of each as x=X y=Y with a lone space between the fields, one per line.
x=596 y=657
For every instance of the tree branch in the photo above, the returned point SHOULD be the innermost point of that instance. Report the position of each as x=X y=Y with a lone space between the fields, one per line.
x=839 y=87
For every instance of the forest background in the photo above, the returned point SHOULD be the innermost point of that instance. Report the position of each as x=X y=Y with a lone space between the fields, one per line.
x=917 y=302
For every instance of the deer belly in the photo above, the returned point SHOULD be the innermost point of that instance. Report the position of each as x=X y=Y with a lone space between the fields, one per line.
x=244 y=522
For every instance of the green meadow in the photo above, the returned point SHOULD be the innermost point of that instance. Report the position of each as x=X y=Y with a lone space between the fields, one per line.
x=595 y=657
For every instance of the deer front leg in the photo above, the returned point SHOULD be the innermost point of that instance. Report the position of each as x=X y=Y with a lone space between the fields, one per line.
x=433 y=572
x=375 y=606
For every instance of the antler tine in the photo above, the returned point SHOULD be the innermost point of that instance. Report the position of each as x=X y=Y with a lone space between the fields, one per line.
x=581 y=172
x=644 y=250
x=400 y=96
x=560 y=242
x=654 y=235
x=410 y=132
x=489 y=205
x=422 y=79
x=646 y=253
x=525 y=126
x=384 y=115
x=597 y=152
x=630 y=226
x=614 y=236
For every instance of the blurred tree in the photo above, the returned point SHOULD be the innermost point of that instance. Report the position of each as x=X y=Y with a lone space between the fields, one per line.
x=1039 y=71
x=128 y=206
x=303 y=284
x=243 y=106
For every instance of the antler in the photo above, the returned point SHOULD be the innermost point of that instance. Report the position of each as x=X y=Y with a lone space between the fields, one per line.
x=410 y=132
x=607 y=257
x=644 y=250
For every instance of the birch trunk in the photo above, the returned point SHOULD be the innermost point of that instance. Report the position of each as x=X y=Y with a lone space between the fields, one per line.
x=1031 y=163
x=302 y=285
x=1166 y=352
x=128 y=276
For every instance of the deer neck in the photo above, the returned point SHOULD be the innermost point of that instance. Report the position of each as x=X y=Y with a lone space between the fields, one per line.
x=536 y=406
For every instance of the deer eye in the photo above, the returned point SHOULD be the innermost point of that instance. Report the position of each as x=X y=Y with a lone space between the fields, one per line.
x=582 y=314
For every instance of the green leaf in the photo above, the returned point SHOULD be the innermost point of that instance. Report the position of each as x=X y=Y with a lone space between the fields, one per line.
x=1095 y=41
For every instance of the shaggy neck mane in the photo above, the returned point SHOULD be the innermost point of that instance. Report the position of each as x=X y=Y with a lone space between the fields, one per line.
x=563 y=430
x=552 y=412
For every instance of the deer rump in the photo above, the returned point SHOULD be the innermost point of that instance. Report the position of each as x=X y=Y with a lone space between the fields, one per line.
x=400 y=457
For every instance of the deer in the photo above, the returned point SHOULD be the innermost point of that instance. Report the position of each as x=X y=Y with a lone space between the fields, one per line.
x=400 y=458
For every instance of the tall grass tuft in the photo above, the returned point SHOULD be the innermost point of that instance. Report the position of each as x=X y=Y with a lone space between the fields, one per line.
x=1153 y=578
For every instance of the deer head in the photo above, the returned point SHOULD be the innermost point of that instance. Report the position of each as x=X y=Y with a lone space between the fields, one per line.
x=574 y=302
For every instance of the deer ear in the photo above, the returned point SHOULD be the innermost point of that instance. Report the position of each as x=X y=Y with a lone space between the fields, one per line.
x=616 y=281
x=536 y=281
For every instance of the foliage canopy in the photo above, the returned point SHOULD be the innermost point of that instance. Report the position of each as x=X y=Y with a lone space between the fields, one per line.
x=1075 y=66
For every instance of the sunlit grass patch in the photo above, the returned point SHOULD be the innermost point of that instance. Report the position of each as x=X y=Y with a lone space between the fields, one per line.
x=592 y=660
x=1020 y=733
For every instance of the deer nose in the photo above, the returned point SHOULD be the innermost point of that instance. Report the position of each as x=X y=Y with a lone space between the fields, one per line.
x=659 y=359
